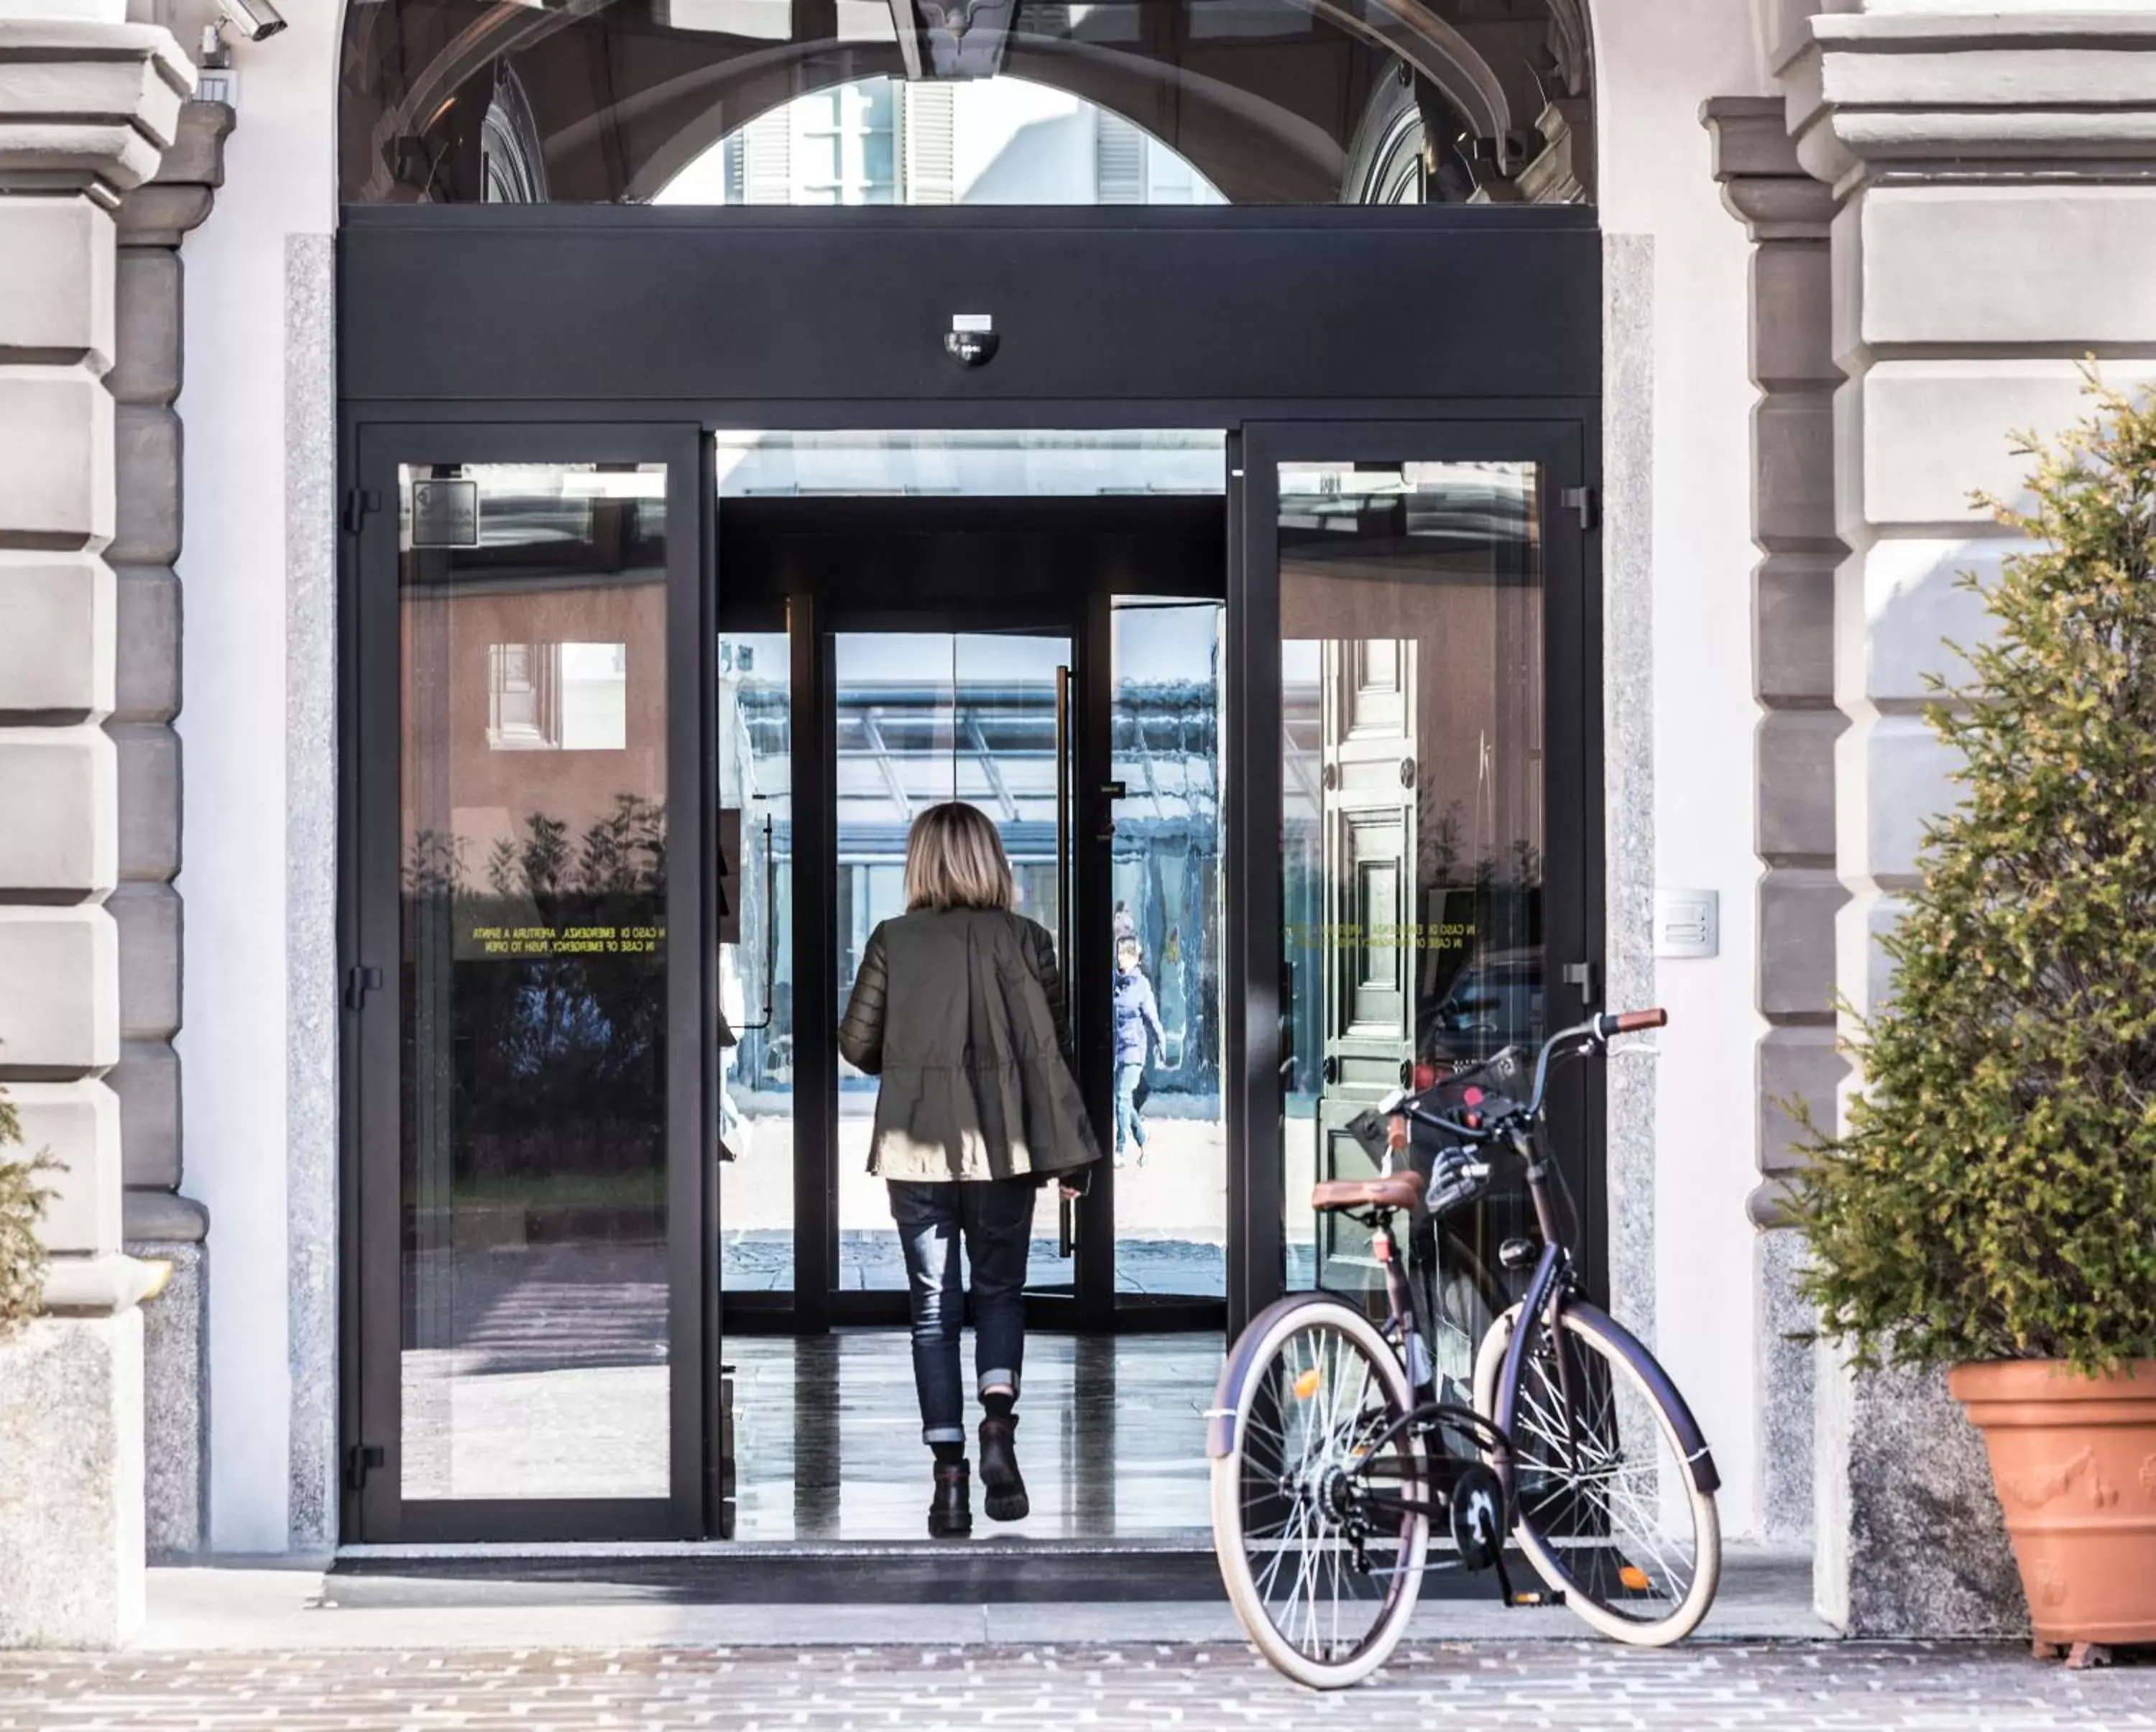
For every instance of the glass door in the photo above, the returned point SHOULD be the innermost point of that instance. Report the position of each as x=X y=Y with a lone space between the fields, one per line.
x=920 y=717
x=1421 y=894
x=525 y=986
x=1167 y=890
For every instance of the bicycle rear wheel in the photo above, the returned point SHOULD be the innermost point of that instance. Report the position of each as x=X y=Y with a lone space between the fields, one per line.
x=1322 y=1564
x=1606 y=1506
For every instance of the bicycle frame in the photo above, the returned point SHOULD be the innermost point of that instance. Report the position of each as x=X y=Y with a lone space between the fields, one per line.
x=1551 y=1290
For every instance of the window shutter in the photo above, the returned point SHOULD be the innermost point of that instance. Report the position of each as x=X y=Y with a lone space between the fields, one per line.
x=928 y=174
x=1118 y=160
x=767 y=159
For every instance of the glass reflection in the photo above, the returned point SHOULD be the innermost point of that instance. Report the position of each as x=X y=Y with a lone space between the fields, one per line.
x=1411 y=668
x=1171 y=1193
x=533 y=779
x=953 y=463
x=756 y=962
x=921 y=718
x=861 y=102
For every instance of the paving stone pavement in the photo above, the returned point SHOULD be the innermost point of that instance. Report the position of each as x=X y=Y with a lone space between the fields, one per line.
x=1579 y=1687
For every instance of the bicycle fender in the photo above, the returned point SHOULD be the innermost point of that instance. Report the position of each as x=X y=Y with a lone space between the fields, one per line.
x=1532 y=1303
x=1220 y=1416
x=1689 y=1439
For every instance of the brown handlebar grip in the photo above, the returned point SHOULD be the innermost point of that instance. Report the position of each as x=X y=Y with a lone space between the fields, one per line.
x=1630 y=1022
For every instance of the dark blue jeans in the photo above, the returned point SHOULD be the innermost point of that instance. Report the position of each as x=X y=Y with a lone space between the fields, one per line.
x=1130 y=1123
x=994 y=1219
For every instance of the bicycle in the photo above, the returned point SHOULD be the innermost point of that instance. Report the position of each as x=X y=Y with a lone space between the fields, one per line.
x=1334 y=1449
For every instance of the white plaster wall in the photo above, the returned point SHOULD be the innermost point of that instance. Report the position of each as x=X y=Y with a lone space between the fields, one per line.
x=1657 y=61
x=85 y=12
x=278 y=166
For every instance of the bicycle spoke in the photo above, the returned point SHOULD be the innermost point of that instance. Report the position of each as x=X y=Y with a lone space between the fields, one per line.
x=1589 y=1473
x=1324 y=1563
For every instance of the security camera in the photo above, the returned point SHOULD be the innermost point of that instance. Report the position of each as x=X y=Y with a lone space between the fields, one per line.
x=254 y=19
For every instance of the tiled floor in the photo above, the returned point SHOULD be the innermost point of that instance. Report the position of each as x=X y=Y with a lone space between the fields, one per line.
x=1112 y=1437
x=763 y=1261
x=544 y=1375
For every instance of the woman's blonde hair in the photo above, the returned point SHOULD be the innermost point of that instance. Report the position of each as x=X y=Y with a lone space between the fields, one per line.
x=954 y=859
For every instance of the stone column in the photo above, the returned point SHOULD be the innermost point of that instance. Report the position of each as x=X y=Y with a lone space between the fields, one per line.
x=86 y=109
x=1995 y=220
x=1786 y=214
x=157 y=1222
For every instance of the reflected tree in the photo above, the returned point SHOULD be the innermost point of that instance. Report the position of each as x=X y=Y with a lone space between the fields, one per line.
x=536 y=1027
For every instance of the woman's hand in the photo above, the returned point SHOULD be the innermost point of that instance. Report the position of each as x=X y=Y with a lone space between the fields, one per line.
x=1071 y=1193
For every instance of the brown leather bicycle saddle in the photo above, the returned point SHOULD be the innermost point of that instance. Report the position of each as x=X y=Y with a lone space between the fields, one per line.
x=1388 y=1190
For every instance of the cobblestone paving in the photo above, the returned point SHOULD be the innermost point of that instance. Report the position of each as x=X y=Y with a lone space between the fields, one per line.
x=1576 y=1687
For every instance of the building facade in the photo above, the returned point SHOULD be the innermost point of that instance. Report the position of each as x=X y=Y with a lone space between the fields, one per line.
x=374 y=563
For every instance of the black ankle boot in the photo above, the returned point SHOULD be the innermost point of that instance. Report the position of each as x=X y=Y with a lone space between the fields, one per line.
x=951 y=1516
x=1006 y=1499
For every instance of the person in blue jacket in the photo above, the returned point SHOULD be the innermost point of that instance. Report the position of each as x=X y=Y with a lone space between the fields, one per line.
x=1137 y=1017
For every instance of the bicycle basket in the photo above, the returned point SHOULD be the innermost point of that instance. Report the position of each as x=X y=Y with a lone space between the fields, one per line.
x=1454 y=1096
x=1458 y=1093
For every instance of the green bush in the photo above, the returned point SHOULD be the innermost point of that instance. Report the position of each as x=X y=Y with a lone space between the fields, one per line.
x=1994 y=1194
x=23 y=1200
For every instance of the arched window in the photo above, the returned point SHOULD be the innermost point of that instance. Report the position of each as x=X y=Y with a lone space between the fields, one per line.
x=992 y=141
x=850 y=102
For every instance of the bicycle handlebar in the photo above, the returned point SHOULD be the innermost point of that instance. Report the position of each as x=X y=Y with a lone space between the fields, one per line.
x=1597 y=1030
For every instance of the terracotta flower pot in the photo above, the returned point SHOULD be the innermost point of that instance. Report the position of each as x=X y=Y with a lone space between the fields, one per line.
x=2074 y=1460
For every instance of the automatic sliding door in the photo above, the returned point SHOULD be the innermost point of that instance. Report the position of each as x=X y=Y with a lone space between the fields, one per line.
x=532 y=1184
x=1435 y=835
x=920 y=717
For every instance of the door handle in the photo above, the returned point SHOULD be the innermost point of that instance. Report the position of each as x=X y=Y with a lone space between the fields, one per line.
x=1066 y=1216
x=1063 y=827
x=1581 y=975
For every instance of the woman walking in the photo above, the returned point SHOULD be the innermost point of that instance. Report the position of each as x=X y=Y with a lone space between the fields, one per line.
x=959 y=1009
x=1137 y=1016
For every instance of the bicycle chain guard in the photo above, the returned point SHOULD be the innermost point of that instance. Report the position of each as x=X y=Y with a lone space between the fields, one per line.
x=1477 y=1506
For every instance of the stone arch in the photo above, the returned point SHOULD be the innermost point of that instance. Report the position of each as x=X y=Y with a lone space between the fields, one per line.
x=605 y=105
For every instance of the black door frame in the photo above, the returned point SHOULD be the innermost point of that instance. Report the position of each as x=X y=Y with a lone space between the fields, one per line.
x=809 y=552
x=820 y=1008
x=1563 y=453
x=370 y=917
x=1250 y=320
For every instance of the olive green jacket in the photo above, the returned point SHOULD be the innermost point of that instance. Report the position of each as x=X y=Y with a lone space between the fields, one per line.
x=962 y=1013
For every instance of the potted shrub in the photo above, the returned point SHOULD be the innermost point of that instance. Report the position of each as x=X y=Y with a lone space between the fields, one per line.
x=1990 y=1204
x=23 y=1199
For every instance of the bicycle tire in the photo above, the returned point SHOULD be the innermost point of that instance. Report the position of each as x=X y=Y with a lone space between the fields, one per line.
x=1589 y=1598
x=1255 y=1366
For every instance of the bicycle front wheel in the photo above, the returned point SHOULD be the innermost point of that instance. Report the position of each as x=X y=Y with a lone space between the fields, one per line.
x=1322 y=1560
x=1606 y=1506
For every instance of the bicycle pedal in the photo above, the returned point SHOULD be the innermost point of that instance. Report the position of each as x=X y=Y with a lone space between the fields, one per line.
x=1538 y=1596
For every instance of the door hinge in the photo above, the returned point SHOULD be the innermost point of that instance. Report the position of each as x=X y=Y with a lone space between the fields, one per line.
x=1581 y=975
x=359 y=980
x=357 y=503
x=1584 y=500
x=361 y=1460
